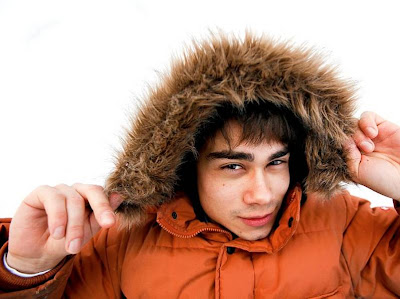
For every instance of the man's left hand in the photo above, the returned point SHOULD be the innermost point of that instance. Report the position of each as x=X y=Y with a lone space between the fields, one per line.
x=374 y=155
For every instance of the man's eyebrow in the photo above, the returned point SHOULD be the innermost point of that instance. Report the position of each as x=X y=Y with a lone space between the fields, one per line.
x=231 y=155
x=279 y=154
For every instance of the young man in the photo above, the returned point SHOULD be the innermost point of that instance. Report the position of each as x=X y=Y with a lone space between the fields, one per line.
x=228 y=186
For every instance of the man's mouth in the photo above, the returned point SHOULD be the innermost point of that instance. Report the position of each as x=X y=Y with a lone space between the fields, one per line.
x=257 y=220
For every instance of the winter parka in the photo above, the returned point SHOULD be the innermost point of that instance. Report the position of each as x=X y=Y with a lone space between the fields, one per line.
x=326 y=243
x=321 y=249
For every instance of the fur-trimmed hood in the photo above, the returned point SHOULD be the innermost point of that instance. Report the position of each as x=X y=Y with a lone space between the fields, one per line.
x=228 y=69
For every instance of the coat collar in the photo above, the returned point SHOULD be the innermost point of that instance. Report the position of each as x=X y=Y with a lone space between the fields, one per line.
x=179 y=219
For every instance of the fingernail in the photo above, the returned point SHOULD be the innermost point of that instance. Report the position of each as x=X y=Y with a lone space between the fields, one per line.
x=367 y=146
x=75 y=245
x=371 y=131
x=107 y=218
x=59 y=232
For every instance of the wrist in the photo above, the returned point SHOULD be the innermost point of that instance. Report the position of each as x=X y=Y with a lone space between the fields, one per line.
x=28 y=266
x=20 y=274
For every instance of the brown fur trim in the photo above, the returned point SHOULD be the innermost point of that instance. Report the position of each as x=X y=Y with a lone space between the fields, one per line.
x=236 y=70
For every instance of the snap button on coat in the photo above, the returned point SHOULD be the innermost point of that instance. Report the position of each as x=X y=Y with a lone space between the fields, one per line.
x=290 y=222
x=230 y=250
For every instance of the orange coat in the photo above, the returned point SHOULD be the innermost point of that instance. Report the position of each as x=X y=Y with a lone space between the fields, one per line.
x=338 y=248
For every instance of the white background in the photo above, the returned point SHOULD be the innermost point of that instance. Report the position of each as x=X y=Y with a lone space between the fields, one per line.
x=72 y=71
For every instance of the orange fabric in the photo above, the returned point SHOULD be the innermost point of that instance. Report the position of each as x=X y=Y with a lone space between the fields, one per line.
x=339 y=248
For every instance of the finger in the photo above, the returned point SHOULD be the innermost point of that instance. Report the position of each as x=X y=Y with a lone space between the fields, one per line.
x=363 y=142
x=75 y=205
x=115 y=200
x=99 y=203
x=369 y=122
x=53 y=202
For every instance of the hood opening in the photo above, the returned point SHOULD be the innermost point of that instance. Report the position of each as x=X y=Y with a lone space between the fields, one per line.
x=260 y=121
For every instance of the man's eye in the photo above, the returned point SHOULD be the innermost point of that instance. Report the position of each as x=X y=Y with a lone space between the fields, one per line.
x=276 y=162
x=232 y=167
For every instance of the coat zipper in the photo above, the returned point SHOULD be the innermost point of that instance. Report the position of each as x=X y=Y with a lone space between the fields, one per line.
x=196 y=233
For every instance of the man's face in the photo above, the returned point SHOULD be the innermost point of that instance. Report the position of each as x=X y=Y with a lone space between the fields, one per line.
x=242 y=189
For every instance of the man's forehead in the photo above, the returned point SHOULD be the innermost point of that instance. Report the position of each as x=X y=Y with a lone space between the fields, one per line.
x=232 y=140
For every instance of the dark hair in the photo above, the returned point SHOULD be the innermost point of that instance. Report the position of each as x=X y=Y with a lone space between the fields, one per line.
x=260 y=122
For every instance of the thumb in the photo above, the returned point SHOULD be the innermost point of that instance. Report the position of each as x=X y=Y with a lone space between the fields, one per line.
x=115 y=200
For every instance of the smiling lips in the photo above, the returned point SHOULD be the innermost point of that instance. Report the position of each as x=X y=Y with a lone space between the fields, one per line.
x=257 y=221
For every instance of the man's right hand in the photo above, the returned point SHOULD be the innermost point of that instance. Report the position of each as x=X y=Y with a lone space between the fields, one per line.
x=53 y=222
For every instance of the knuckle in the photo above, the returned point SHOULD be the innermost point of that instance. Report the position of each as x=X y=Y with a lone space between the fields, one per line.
x=56 y=195
x=42 y=188
x=88 y=187
x=368 y=118
x=76 y=185
x=61 y=186
x=95 y=188
x=49 y=194
x=367 y=113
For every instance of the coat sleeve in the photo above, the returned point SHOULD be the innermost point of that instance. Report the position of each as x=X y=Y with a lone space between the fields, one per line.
x=93 y=273
x=371 y=246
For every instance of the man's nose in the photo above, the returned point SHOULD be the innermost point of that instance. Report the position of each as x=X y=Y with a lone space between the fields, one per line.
x=257 y=190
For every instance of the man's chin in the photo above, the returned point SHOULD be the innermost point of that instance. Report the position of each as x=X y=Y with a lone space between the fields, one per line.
x=254 y=236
